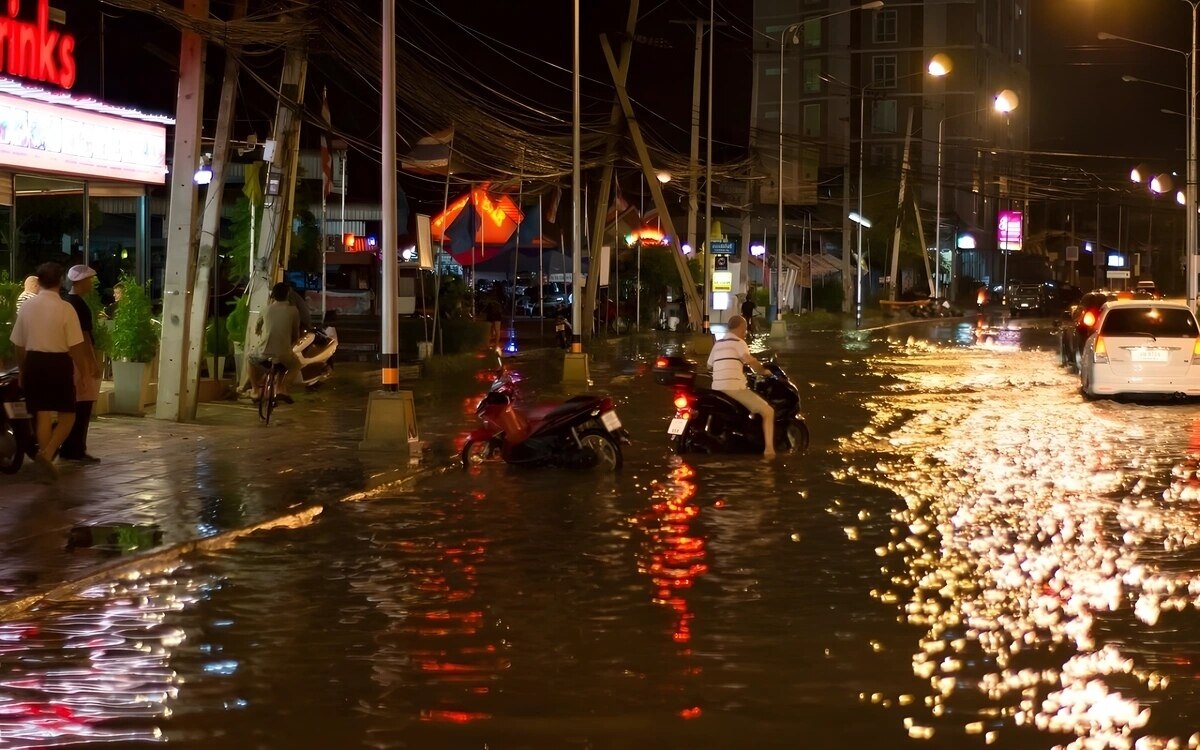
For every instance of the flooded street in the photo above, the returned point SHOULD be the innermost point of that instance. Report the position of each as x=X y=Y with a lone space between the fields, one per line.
x=970 y=554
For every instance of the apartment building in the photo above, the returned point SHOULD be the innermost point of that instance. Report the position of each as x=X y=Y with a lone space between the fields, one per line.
x=838 y=61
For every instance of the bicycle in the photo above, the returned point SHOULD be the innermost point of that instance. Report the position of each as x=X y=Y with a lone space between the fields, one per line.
x=268 y=395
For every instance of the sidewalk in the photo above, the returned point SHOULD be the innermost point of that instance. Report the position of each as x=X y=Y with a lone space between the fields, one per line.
x=222 y=472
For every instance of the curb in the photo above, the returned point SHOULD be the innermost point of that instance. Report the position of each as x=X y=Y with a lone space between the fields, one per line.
x=168 y=556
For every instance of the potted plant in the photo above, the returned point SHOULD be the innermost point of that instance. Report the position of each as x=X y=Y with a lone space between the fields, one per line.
x=216 y=346
x=134 y=344
x=235 y=326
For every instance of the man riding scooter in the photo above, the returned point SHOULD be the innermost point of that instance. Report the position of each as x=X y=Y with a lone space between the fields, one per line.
x=726 y=361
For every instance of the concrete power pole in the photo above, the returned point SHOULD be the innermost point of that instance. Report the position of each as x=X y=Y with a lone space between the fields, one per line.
x=210 y=226
x=275 y=234
x=181 y=235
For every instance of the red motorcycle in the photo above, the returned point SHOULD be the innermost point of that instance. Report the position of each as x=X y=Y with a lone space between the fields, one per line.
x=583 y=432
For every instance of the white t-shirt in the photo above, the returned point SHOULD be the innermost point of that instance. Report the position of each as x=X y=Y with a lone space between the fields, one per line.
x=47 y=323
x=726 y=360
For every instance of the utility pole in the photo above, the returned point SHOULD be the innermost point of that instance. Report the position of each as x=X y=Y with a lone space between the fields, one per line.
x=210 y=227
x=275 y=233
x=606 y=179
x=643 y=153
x=893 y=282
x=694 y=151
x=181 y=235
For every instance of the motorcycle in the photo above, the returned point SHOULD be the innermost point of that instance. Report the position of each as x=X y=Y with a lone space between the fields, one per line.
x=562 y=332
x=315 y=351
x=581 y=433
x=708 y=421
x=16 y=427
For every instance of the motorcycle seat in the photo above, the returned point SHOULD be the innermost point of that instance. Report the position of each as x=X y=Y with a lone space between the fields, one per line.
x=11 y=372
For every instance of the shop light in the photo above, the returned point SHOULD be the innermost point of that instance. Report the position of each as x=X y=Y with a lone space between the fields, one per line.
x=758 y=250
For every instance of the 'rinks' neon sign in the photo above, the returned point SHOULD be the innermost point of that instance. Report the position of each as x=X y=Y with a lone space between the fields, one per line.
x=34 y=50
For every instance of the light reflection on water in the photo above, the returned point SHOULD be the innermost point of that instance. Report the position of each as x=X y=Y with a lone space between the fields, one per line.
x=1045 y=549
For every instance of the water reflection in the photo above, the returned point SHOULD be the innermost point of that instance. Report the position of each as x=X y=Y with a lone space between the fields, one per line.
x=96 y=670
x=1042 y=550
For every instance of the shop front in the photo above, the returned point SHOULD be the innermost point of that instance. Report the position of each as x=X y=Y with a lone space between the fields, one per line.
x=75 y=181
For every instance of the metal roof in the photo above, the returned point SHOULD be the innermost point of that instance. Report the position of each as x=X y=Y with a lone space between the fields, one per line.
x=25 y=91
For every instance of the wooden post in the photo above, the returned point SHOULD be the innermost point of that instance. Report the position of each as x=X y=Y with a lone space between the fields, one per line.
x=895 y=268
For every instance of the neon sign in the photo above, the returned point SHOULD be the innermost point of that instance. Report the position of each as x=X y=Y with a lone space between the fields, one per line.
x=1008 y=232
x=34 y=50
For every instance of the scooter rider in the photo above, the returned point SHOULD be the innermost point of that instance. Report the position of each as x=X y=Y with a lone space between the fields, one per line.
x=726 y=360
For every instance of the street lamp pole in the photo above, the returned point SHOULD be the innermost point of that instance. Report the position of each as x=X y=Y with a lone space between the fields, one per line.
x=1189 y=252
x=875 y=4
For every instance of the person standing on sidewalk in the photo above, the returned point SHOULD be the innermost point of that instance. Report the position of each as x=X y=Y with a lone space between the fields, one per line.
x=29 y=292
x=48 y=340
x=87 y=385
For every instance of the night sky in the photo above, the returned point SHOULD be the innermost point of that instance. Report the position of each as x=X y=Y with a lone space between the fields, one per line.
x=1079 y=103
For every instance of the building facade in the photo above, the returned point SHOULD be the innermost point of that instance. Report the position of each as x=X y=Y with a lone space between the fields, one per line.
x=837 y=61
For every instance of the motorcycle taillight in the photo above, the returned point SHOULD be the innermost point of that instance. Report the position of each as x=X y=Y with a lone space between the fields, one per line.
x=606 y=404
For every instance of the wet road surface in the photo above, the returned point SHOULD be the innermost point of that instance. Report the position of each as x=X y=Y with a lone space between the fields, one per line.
x=969 y=555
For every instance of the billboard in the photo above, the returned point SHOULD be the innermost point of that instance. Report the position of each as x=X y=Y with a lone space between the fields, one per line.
x=1008 y=232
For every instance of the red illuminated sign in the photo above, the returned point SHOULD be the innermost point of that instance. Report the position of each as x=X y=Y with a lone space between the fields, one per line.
x=34 y=50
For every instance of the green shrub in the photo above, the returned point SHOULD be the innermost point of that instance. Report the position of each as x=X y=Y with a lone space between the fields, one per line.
x=238 y=320
x=134 y=333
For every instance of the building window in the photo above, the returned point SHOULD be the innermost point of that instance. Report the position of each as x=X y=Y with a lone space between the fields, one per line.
x=883 y=116
x=883 y=71
x=812 y=34
x=812 y=76
x=883 y=155
x=885 y=27
x=812 y=119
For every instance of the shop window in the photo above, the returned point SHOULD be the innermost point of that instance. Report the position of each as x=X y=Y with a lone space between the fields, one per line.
x=883 y=155
x=49 y=214
x=114 y=213
x=883 y=71
x=885 y=27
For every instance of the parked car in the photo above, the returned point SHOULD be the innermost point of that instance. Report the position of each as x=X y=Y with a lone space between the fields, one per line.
x=1027 y=298
x=1083 y=319
x=1142 y=347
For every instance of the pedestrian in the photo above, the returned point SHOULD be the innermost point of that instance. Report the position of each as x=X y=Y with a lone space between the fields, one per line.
x=48 y=340
x=748 y=310
x=118 y=291
x=726 y=360
x=495 y=317
x=87 y=385
x=29 y=292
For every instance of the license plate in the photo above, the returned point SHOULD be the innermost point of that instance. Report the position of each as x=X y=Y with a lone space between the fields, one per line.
x=16 y=410
x=1148 y=355
x=677 y=426
x=610 y=421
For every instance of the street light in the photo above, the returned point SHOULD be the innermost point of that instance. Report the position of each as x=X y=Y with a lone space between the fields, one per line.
x=783 y=35
x=940 y=69
x=1189 y=58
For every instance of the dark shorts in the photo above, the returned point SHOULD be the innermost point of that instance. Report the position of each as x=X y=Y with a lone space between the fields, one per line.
x=49 y=379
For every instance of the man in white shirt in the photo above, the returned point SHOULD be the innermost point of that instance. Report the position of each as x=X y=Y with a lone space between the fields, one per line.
x=50 y=346
x=726 y=360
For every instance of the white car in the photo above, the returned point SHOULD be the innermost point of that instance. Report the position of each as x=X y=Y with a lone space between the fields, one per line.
x=1142 y=346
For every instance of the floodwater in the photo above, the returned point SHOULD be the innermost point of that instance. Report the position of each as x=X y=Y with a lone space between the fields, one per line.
x=970 y=554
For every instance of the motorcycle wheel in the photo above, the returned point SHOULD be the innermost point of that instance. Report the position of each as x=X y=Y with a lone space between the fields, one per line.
x=606 y=450
x=475 y=452
x=11 y=455
x=797 y=436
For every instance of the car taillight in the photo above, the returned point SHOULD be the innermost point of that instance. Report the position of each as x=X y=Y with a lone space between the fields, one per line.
x=1100 y=355
x=660 y=363
x=1089 y=319
x=1196 y=352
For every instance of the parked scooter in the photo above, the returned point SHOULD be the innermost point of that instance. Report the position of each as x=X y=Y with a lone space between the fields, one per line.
x=315 y=351
x=583 y=432
x=17 y=439
x=708 y=421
